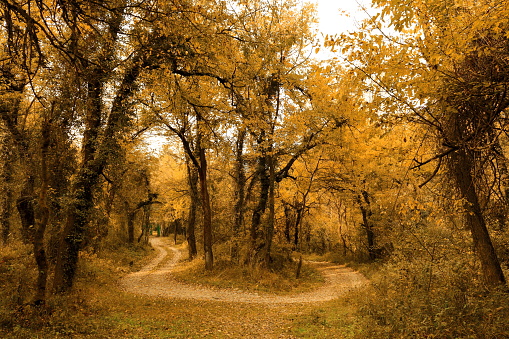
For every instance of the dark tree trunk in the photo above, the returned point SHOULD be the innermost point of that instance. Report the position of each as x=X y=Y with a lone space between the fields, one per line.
x=192 y=179
x=145 y=226
x=42 y=220
x=207 y=212
x=365 y=207
x=73 y=232
x=501 y=212
x=240 y=185
x=462 y=167
x=5 y=215
x=269 y=232
x=97 y=147
x=7 y=196
x=298 y=218
x=341 y=218
x=26 y=209
x=77 y=213
x=289 y=221
x=131 y=215
x=177 y=227
x=261 y=206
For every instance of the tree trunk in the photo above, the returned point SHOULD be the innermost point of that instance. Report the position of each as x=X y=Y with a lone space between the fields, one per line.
x=73 y=232
x=365 y=207
x=207 y=212
x=7 y=189
x=131 y=215
x=462 y=166
x=26 y=209
x=5 y=215
x=289 y=221
x=269 y=232
x=240 y=185
x=77 y=213
x=298 y=217
x=177 y=223
x=97 y=147
x=42 y=220
x=145 y=227
x=501 y=213
x=342 y=219
x=192 y=180
x=263 y=198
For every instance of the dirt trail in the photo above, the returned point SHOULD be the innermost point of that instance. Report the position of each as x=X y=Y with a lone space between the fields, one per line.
x=155 y=279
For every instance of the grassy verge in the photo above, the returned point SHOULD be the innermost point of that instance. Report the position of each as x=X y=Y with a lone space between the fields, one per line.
x=257 y=279
x=334 y=319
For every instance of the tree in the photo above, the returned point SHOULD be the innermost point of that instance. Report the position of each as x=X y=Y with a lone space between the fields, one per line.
x=269 y=95
x=95 y=52
x=199 y=161
x=447 y=70
x=7 y=172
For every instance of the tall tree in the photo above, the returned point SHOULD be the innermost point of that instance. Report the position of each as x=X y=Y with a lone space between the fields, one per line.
x=95 y=53
x=447 y=69
x=6 y=177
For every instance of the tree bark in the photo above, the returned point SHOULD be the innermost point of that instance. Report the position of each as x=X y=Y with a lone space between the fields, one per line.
x=461 y=163
x=299 y=210
x=131 y=215
x=207 y=212
x=269 y=232
x=73 y=232
x=76 y=216
x=240 y=186
x=42 y=220
x=365 y=207
x=263 y=197
x=177 y=227
x=97 y=147
x=7 y=196
x=192 y=180
x=25 y=205
x=145 y=226
x=289 y=221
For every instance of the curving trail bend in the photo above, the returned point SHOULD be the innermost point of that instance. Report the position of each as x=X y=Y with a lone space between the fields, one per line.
x=155 y=279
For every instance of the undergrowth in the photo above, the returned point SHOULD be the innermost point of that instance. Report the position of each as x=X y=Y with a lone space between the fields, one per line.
x=409 y=296
x=97 y=308
x=279 y=279
x=63 y=315
x=430 y=291
x=446 y=299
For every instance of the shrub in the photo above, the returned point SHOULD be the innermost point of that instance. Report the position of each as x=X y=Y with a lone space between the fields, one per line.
x=438 y=295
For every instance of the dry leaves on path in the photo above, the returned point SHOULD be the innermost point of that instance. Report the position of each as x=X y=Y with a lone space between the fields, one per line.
x=155 y=279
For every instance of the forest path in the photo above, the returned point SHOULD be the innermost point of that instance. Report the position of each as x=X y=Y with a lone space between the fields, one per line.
x=155 y=279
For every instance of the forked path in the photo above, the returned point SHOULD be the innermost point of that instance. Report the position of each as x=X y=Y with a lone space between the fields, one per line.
x=155 y=279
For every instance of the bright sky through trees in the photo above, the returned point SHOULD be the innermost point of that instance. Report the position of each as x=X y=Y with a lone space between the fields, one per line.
x=335 y=17
x=338 y=16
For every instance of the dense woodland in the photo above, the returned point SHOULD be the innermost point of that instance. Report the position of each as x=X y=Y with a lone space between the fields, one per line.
x=393 y=152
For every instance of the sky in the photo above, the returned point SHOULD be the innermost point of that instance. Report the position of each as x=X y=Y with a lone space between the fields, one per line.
x=339 y=16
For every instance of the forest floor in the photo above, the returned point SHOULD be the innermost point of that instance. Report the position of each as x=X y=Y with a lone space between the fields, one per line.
x=155 y=279
x=119 y=301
